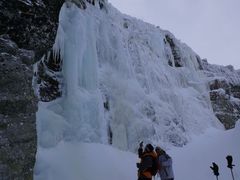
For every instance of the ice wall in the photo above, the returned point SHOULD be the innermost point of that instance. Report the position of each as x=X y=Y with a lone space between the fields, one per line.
x=124 y=81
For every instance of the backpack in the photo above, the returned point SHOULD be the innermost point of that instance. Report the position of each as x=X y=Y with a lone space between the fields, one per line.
x=155 y=166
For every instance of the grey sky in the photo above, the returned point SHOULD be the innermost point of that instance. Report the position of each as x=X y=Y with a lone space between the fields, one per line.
x=210 y=27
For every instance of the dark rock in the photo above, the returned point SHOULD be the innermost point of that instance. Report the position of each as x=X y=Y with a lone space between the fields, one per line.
x=6 y=45
x=224 y=87
x=28 y=29
x=199 y=62
x=18 y=105
x=82 y=4
x=101 y=4
x=235 y=91
x=48 y=77
x=226 y=110
x=110 y=134
x=31 y=24
x=26 y=56
x=106 y=105
x=218 y=83
x=175 y=51
x=170 y=63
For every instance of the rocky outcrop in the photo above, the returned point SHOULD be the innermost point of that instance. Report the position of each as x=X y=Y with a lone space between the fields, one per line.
x=17 y=112
x=48 y=77
x=27 y=31
x=224 y=84
x=175 y=52
x=27 y=34
x=82 y=4
x=31 y=24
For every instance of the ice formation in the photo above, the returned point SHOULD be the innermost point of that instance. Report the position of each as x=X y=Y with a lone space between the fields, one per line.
x=124 y=81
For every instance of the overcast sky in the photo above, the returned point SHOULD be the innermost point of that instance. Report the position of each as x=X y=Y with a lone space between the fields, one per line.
x=210 y=27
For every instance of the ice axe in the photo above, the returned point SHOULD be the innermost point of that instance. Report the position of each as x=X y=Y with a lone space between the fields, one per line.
x=230 y=165
x=215 y=169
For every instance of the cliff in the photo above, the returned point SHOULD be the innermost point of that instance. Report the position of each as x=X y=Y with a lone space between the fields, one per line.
x=27 y=30
x=224 y=85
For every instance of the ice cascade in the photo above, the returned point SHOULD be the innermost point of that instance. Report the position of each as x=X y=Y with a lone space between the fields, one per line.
x=124 y=81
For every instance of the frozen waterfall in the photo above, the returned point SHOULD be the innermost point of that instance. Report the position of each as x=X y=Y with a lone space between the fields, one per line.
x=124 y=81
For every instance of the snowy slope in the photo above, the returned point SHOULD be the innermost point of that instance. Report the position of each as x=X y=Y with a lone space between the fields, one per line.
x=83 y=161
x=194 y=160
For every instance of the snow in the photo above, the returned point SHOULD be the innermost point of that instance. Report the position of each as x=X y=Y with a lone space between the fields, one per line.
x=86 y=162
x=92 y=161
x=193 y=161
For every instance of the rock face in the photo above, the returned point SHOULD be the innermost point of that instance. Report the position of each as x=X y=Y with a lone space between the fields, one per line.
x=27 y=31
x=32 y=24
x=17 y=111
x=224 y=83
x=175 y=52
x=48 y=77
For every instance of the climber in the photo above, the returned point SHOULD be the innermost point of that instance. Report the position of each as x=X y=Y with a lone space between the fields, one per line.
x=165 y=164
x=148 y=157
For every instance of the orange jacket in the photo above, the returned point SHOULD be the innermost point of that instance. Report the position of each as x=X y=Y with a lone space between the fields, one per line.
x=145 y=169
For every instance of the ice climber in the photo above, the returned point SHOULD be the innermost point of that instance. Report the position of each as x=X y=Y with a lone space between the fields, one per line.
x=165 y=163
x=148 y=157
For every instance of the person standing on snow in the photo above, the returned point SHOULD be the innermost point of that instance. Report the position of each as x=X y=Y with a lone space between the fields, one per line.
x=145 y=166
x=165 y=162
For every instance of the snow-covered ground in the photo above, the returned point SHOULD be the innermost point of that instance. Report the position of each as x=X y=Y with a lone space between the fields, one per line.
x=192 y=161
x=91 y=161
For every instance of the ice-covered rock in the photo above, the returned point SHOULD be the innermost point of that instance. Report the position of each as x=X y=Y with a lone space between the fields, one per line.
x=224 y=83
x=123 y=81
